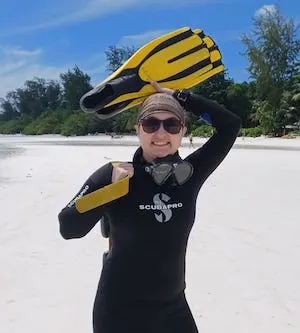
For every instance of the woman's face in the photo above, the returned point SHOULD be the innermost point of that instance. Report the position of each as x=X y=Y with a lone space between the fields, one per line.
x=159 y=143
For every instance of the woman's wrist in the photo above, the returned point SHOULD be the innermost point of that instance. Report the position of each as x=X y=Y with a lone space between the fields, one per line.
x=182 y=96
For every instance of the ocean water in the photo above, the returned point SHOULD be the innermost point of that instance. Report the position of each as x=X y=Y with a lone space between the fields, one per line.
x=9 y=151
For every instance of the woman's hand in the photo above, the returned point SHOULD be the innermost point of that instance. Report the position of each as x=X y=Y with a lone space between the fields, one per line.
x=120 y=171
x=160 y=89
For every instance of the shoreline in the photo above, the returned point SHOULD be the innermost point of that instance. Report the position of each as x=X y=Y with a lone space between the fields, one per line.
x=264 y=143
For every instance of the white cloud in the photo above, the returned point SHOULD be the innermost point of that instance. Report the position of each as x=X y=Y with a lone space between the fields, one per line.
x=16 y=79
x=10 y=66
x=87 y=10
x=143 y=38
x=15 y=58
x=95 y=67
x=18 y=65
x=265 y=10
x=26 y=53
x=18 y=51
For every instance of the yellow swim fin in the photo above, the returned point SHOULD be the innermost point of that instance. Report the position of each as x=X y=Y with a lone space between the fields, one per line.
x=168 y=58
x=180 y=59
x=102 y=196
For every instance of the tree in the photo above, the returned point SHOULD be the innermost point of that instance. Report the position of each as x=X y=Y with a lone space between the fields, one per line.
x=32 y=98
x=8 y=106
x=75 y=84
x=296 y=85
x=53 y=95
x=35 y=97
x=215 y=88
x=272 y=49
x=238 y=95
x=116 y=56
x=76 y=124
x=291 y=100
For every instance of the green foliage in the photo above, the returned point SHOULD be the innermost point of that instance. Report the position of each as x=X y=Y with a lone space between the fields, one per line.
x=295 y=133
x=215 y=88
x=75 y=84
x=292 y=97
x=76 y=124
x=203 y=131
x=271 y=119
x=191 y=121
x=253 y=132
x=124 y=122
x=116 y=56
x=9 y=112
x=15 y=126
x=36 y=97
x=272 y=50
x=50 y=122
x=239 y=100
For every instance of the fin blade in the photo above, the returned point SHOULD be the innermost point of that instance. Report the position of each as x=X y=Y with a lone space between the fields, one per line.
x=205 y=76
x=151 y=69
x=135 y=60
x=102 y=196
x=209 y=42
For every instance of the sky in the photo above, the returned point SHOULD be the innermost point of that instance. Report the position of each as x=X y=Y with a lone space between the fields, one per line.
x=46 y=38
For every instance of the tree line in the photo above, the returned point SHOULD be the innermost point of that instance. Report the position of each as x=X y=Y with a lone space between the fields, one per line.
x=269 y=104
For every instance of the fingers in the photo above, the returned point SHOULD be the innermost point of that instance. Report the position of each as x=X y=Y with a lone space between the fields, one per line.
x=158 y=88
x=128 y=167
x=121 y=171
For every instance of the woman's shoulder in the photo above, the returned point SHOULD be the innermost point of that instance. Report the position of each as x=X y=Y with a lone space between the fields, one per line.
x=102 y=174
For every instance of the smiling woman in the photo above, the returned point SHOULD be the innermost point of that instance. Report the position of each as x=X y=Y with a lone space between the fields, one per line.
x=142 y=283
x=160 y=126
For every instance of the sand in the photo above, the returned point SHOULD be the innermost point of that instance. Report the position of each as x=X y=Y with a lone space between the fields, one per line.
x=243 y=267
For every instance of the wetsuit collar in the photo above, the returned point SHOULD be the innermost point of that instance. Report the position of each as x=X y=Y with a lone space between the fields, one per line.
x=171 y=167
x=138 y=158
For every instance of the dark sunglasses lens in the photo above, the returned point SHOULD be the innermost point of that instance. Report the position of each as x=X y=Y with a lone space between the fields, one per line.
x=150 y=125
x=172 y=125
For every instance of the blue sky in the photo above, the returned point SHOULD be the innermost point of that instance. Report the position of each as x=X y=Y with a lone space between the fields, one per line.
x=46 y=38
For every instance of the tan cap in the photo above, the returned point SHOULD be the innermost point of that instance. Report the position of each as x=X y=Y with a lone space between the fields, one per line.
x=160 y=102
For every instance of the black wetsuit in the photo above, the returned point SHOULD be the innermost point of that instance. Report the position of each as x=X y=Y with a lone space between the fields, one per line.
x=141 y=288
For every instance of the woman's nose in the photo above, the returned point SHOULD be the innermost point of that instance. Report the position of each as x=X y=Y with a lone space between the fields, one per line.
x=161 y=129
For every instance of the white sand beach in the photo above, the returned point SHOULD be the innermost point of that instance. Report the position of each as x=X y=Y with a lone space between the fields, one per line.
x=243 y=255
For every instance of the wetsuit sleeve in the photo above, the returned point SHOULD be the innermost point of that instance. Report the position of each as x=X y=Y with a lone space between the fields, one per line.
x=74 y=224
x=227 y=125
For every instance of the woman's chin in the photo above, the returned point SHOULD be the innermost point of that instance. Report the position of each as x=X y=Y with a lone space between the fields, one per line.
x=160 y=154
x=157 y=152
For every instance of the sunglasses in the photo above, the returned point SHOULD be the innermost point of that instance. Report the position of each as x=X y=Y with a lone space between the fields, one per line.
x=152 y=124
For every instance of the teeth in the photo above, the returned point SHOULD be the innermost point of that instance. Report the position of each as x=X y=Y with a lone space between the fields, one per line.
x=160 y=143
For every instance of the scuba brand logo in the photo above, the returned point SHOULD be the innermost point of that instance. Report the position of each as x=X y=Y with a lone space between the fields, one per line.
x=84 y=190
x=161 y=204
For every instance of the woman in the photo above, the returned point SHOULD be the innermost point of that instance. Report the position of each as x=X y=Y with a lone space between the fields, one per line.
x=142 y=284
